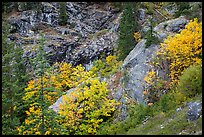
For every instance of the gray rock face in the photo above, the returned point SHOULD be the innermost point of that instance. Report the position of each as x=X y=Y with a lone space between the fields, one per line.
x=142 y=14
x=170 y=27
x=136 y=63
x=194 y=111
x=92 y=49
x=170 y=9
x=56 y=105
x=68 y=43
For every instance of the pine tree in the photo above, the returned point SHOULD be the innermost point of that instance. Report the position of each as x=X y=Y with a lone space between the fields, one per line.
x=13 y=81
x=63 y=15
x=151 y=37
x=128 y=25
x=39 y=120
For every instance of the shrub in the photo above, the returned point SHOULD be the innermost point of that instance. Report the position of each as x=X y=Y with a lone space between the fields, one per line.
x=136 y=114
x=167 y=102
x=183 y=49
x=106 y=68
x=183 y=8
x=190 y=82
x=86 y=107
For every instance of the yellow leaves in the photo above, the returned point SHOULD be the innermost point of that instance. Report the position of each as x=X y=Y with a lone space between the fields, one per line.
x=137 y=36
x=151 y=74
x=27 y=122
x=80 y=110
x=105 y=68
x=89 y=107
x=30 y=85
x=64 y=66
x=28 y=113
x=28 y=95
x=89 y=101
x=149 y=77
x=19 y=130
x=183 y=49
x=38 y=133
x=110 y=60
x=47 y=132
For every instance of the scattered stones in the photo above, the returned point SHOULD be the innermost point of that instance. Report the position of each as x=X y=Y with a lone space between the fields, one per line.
x=194 y=111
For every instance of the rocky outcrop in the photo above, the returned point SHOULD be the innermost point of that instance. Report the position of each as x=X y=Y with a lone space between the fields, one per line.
x=92 y=49
x=136 y=64
x=70 y=43
x=56 y=105
x=170 y=27
x=194 y=111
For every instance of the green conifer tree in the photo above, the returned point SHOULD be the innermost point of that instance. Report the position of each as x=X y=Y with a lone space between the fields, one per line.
x=128 y=25
x=13 y=82
x=63 y=15
x=45 y=122
x=150 y=36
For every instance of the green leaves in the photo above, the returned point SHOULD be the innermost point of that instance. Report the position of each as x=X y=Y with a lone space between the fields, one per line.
x=190 y=82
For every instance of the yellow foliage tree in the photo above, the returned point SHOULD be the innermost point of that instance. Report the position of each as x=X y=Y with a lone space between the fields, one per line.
x=176 y=54
x=183 y=49
x=86 y=107
x=106 y=68
x=54 y=83
x=58 y=80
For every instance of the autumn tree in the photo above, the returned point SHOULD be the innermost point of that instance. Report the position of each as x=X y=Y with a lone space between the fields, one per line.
x=178 y=53
x=86 y=107
x=38 y=96
x=87 y=89
x=183 y=50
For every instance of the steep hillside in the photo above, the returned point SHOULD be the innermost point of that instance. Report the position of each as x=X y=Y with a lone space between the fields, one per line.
x=95 y=68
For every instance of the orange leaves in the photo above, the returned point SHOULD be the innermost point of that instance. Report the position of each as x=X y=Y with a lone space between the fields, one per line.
x=150 y=104
x=145 y=92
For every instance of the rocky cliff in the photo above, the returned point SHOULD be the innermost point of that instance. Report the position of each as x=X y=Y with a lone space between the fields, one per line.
x=90 y=31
